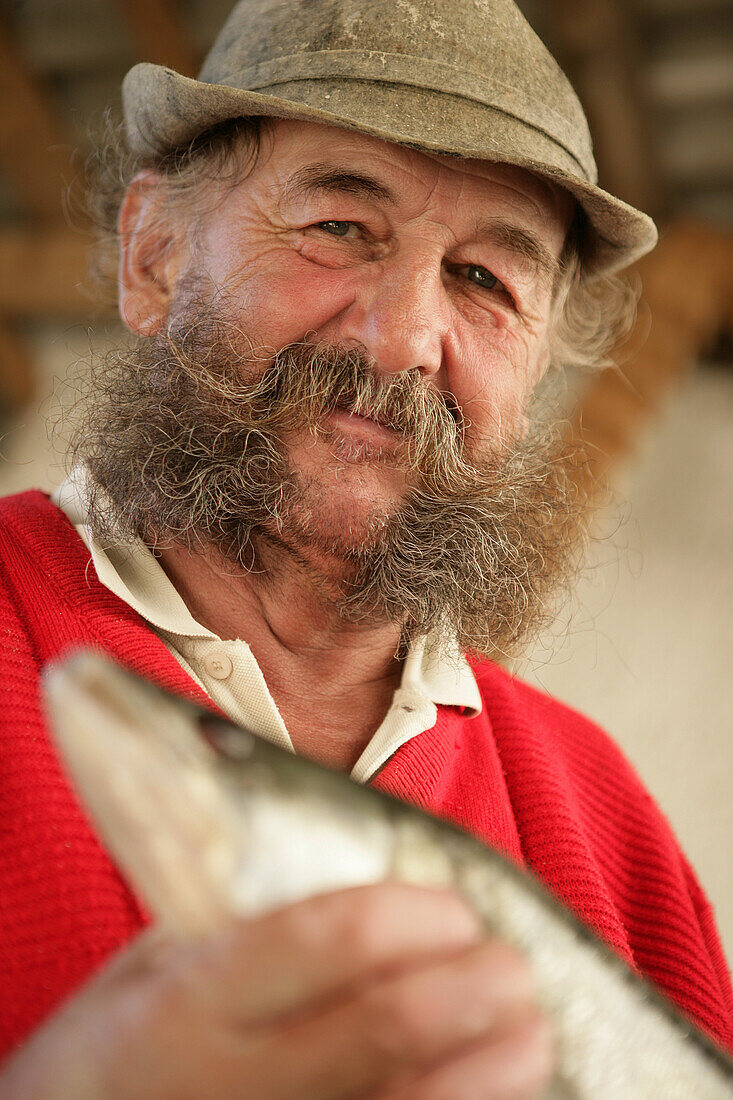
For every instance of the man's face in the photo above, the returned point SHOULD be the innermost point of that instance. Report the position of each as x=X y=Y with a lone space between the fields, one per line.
x=429 y=264
x=345 y=276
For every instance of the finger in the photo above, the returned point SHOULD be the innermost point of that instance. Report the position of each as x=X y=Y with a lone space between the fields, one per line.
x=515 y=1065
x=305 y=952
x=397 y=1026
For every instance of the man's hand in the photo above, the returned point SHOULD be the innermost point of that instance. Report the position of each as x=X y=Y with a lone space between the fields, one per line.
x=390 y=991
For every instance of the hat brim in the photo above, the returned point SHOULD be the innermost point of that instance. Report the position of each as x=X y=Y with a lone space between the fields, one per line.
x=164 y=111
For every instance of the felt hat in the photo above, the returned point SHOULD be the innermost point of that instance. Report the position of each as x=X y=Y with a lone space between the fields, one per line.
x=468 y=78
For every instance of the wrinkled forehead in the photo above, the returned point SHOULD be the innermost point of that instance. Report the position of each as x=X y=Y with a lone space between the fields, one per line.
x=421 y=175
x=544 y=195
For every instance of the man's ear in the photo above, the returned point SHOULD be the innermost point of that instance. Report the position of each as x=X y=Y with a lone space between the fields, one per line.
x=151 y=256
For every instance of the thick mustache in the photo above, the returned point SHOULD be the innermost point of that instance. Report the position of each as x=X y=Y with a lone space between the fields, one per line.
x=348 y=379
x=305 y=381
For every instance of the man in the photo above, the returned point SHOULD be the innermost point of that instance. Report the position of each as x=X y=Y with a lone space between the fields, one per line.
x=305 y=495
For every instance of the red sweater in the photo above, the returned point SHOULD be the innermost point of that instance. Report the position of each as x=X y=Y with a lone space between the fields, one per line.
x=528 y=776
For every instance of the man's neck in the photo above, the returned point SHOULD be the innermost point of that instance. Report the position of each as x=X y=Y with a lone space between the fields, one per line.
x=332 y=682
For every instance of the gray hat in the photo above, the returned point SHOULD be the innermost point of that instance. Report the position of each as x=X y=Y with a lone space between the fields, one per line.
x=463 y=77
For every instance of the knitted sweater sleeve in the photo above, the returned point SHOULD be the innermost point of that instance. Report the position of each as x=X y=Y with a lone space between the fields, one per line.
x=63 y=906
x=596 y=836
x=711 y=938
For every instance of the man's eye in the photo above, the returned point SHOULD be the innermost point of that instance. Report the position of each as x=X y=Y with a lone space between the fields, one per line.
x=336 y=229
x=481 y=277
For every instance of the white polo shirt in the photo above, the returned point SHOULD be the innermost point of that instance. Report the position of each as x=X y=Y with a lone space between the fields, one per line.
x=227 y=670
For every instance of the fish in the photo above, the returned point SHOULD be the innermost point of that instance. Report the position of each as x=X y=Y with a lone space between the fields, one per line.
x=208 y=821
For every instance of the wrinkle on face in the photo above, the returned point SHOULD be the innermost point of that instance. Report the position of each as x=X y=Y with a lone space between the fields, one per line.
x=259 y=256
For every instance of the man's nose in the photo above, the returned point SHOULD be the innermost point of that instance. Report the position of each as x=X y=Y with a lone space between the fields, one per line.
x=400 y=316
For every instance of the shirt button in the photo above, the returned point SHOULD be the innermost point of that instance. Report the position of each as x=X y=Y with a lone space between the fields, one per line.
x=218 y=665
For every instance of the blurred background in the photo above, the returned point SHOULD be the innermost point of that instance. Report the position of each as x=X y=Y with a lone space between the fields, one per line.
x=646 y=648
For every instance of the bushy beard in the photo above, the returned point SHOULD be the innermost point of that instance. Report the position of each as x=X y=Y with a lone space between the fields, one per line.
x=186 y=434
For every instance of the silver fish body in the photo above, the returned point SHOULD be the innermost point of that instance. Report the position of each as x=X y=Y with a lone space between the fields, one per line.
x=209 y=821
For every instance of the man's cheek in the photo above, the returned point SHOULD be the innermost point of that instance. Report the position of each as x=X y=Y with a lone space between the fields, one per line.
x=310 y=301
x=281 y=295
x=495 y=385
x=489 y=409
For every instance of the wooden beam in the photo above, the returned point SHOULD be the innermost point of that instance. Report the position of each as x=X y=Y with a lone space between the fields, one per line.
x=160 y=35
x=35 y=149
x=44 y=273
